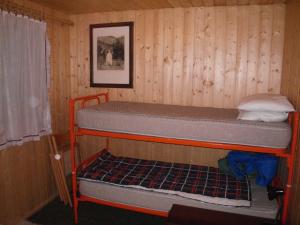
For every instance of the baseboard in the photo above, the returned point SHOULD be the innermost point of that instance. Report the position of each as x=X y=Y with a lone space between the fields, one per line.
x=38 y=207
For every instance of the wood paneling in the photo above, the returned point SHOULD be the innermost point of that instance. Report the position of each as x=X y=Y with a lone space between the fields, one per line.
x=59 y=93
x=26 y=178
x=207 y=56
x=82 y=6
x=291 y=87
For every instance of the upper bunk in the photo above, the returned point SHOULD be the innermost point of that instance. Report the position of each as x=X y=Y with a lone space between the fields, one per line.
x=206 y=127
x=183 y=122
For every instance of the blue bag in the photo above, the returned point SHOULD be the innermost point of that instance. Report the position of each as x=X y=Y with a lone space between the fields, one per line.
x=244 y=164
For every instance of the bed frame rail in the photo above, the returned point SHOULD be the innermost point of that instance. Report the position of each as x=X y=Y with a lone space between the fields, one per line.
x=288 y=154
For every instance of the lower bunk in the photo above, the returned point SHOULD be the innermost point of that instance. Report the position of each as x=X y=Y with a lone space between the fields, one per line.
x=155 y=186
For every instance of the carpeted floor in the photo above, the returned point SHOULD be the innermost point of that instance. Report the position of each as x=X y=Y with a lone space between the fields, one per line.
x=56 y=213
x=26 y=223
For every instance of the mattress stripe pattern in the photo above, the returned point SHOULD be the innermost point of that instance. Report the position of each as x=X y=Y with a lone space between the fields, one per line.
x=174 y=178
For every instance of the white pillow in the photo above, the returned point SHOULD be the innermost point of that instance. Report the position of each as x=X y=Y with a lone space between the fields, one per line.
x=266 y=102
x=266 y=116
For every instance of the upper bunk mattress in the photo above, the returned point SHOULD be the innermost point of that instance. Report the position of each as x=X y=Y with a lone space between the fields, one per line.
x=183 y=122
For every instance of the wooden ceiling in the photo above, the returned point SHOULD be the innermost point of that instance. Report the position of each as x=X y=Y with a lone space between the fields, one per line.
x=89 y=6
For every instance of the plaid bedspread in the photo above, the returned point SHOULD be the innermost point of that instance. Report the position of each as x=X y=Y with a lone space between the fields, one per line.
x=147 y=174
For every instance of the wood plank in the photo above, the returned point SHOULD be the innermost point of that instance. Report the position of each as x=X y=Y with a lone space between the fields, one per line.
x=139 y=46
x=232 y=2
x=157 y=93
x=149 y=29
x=253 y=48
x=81 y=6
x=243 y=2
x=128 y=93
x=277 y=49
x=209 y=56
x=219 y=2
x=263 y=72
x=168 y=56
x=220 y=57
x=198 y=63
x=242 y=54
x=231 y=51
x=177 y=56
x=188 y=54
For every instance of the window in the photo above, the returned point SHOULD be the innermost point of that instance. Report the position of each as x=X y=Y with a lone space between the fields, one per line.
x=24 y=54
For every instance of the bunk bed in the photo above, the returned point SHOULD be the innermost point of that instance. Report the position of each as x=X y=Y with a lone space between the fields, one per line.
x=174 y=125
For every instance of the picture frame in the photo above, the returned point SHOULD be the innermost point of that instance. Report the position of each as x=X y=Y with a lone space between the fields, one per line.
x=111 y=55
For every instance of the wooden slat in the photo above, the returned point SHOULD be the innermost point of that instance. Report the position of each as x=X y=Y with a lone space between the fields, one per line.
x=266 y=14
x=177 y=56
x=58 y=183
x=59 y=167
x=253 y=48
x=148 y=72
x=277 y=49
x=219 y=2
x=82 y=6
x=198 y=60
x=168 y=22
x=242 y=54
x=232 y=2
x=188 y=54
x=231 y=47
x=157 y=90
x=209 y=56
x=27 y=180
x=243 y=2
x=139 y=45
x=220 y=58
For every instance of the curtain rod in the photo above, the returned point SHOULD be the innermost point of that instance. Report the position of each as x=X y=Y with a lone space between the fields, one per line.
x=33 y=13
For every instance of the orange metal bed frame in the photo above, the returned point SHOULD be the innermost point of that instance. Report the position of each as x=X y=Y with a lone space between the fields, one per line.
x=288 y=154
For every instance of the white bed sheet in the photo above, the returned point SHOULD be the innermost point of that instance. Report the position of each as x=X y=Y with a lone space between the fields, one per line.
x=260 y=205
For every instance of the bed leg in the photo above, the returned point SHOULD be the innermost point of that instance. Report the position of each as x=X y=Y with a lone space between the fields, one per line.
x=294 y=122
x=73 y=157
x=75 y=211
x=285 y=204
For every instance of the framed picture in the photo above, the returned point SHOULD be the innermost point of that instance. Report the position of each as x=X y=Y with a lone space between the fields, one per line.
x=111 y=53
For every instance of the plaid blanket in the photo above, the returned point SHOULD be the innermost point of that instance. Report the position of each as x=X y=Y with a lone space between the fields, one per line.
x=190 y=181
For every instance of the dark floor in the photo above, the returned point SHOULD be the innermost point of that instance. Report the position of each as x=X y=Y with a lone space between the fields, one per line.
x=56 y=213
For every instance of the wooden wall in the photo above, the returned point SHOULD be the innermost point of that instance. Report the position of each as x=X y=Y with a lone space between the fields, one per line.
x=291 y=88
x=83 y=6
x=206 y=56
x=26 y=180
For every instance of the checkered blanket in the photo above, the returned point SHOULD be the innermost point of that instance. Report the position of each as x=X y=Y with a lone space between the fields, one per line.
x=198 y=182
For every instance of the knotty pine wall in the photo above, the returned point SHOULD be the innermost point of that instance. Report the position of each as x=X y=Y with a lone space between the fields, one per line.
x=207 y=56
x=26 y=180
x=291 y=88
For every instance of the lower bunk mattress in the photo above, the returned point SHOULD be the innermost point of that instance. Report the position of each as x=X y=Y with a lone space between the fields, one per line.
x=183 y=122
x=158 y=185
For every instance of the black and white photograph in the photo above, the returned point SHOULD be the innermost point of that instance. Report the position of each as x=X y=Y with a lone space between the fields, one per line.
x=110 y=53
x=111 y=47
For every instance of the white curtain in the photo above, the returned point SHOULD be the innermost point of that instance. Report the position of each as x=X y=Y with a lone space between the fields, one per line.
x=24 y=73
